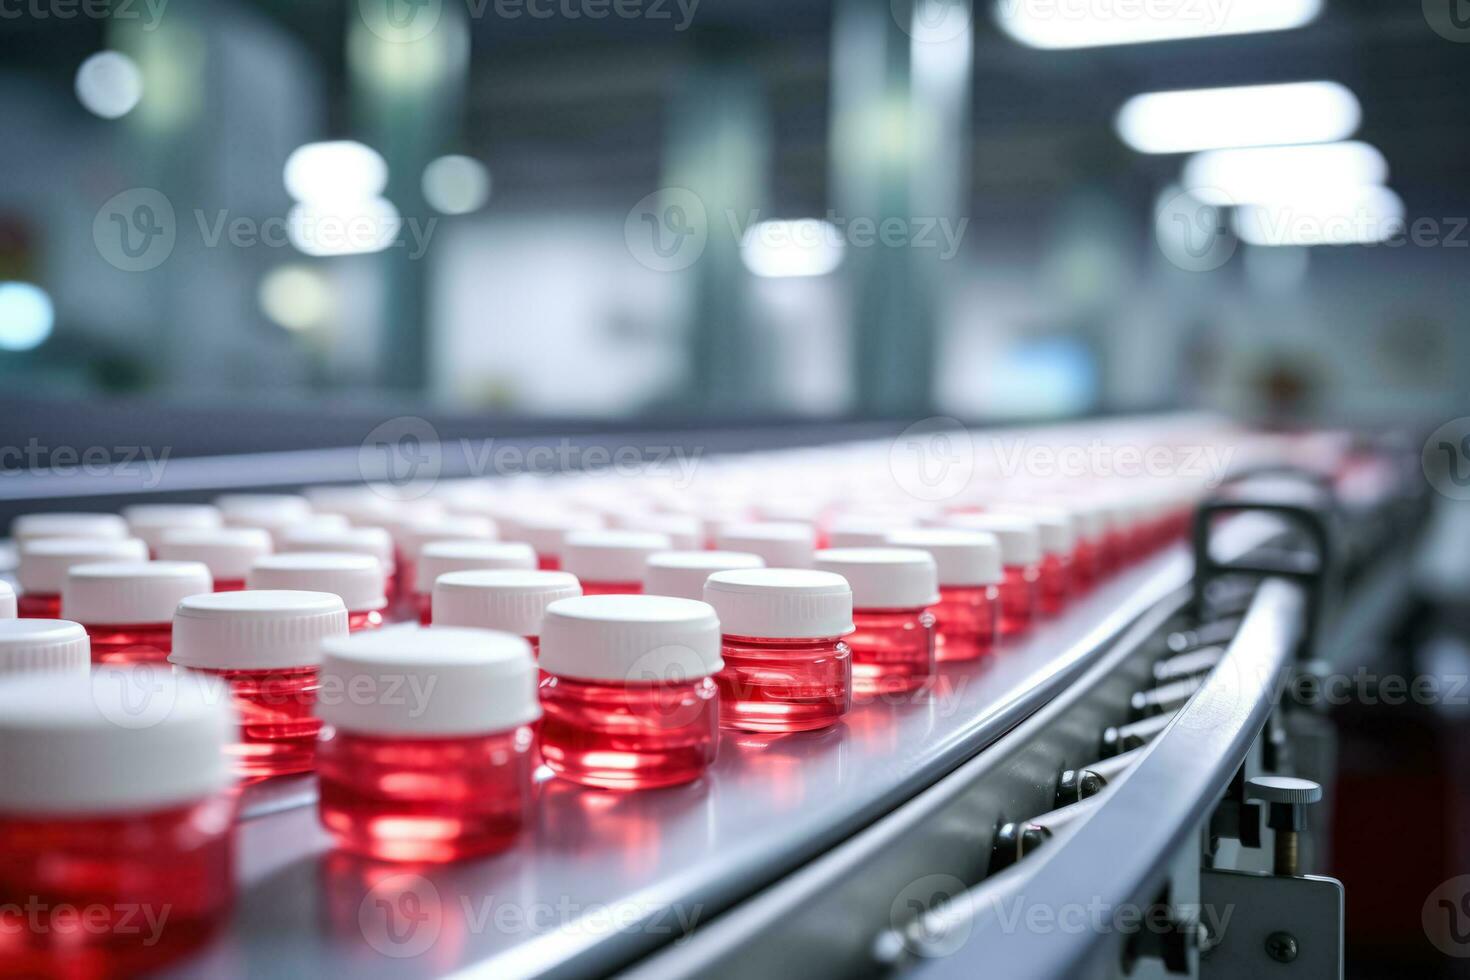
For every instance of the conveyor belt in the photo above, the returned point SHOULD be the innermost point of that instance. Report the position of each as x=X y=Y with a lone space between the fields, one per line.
x=605 y=877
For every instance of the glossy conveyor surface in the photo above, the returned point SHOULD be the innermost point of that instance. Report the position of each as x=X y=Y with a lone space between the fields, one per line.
x=603 y=877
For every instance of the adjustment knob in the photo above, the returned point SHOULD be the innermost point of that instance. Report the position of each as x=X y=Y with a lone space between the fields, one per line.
x=1283 y=789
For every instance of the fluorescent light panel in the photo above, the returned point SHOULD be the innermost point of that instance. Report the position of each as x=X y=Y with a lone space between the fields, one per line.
x=1059 y=24
x=1267 y=174
x=1349 y=216
x=1249 y=115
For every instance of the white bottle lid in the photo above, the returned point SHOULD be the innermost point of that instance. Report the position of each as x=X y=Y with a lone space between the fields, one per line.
x=685 y=533
x=374 y=541
x=885 y=578
x=256 y=630
x=1056 y=525
x=27 y=527
x=7 y=601
x=864 y=530
x=150 y=521
x=121 y=739
x=611 y=556
x=780 y=603
x=273 y=509
x=44 y=561
x=442 y=557
x=963 y=558
x=228 y=551
x=511 y=600
x=413 y=536
x=359 y=580
x=782 y=544
x=43 y=644
x=630 y=638
x=1020 y=541
x=547 y=530
x=440 y=681
x=128 y=593
x=683 y=573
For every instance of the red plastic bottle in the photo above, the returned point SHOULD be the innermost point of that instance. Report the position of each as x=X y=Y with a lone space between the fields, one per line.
x=439 y=766
x=228 y=552
x=1054 y=584
x=128 y=607
x=357 y=579
x=787 y=667
x=265 y=646
x=509 y=600
x=444 y=557
x=149 y=522
x=611 y=562
x=55 y=645
x=683 y=573
x=967 y=615
x=117 y=822
x=780 y=544
x=44 y=563
x=629 y=697
x=892 y=590
x=1020 y=555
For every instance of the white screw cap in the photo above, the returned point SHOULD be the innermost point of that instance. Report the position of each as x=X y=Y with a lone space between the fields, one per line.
x=630 y=638
x=43 y=644
x=787 y=603
x=611 y=556
x=1020 y=541
x=440 y=681
x=120 y=739
x=511 y=600
x=374 y=541
x=442 y=557
x=125 y=593
x=782 y=544
x=150 y=521
x=44 y=561
x=864 y=530
x=7 y=601
x=885 y=578
x=683 y=573
x=68 y=525
x=358 y=579
x=250 y=630
x=466 y=527
x=227 y=551
x=963 y=558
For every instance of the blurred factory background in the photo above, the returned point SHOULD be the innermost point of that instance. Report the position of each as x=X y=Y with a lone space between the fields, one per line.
x=705 y=209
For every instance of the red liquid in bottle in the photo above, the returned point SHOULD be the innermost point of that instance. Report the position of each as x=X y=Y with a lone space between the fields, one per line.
x=892 y=650
x=138 y=643
x=1018 y=598
x=784 y=685
x=1054 y=586
x=399 y=798
x=38 y=606
x=278 y=729
x=629 y=736
x=967 y=621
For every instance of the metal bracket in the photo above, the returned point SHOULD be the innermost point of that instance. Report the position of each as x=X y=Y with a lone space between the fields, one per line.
x=1313 y=570
x=1270 y=925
